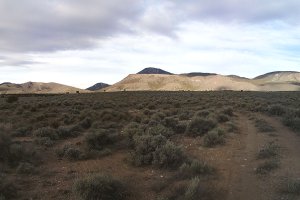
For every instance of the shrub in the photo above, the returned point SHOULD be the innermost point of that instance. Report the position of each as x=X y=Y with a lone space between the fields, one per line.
x=292 y=122
x=267 y=167
x=194 y=168
x=222 y=118
x=65 y=132
x=231 y=127
x=70 y=152
x=26 y=168
x=168 y=156
x=12 y=99
x=159 y=130
x=86 y=123
x=270 y=150
x=263 y=126
x=97 y=140
x=46 y=132
x=292 y=187
x=44 y=141
x=7 y=189
x=199 y=126
x=276 y=110
x=214 y=138
x=99 y=187
x=193 y=190
x=5 y=142
x=228 y=111
x=144 y=148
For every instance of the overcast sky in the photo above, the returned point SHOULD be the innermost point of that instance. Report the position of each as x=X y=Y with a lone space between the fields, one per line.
x=82 y=42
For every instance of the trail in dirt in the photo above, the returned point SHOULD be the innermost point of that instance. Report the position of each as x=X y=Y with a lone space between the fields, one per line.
x=243 y=183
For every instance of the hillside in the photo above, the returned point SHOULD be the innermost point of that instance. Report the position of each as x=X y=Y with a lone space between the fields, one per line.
x=97 y=86
x=197 y=81
x=37 y=87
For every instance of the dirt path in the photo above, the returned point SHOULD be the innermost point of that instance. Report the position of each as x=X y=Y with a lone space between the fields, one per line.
x=242 y=181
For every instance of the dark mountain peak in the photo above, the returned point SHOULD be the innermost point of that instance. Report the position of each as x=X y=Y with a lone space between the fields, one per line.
x=152 y=70
x=274 y=73
x=192 y=74
x=98 y=86
x=6 y=83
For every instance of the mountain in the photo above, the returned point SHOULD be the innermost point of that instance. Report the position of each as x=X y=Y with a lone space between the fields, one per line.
x=38 y=88
x=197 y=81
x=97 y=86
x=152 y=70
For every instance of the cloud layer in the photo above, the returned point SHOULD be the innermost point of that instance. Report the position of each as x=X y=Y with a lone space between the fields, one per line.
x=117 y=35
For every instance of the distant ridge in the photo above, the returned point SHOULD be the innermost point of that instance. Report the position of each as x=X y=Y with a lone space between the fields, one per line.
x=97 y=86
x=152 y=70
x=38 y=88
x=274 y=73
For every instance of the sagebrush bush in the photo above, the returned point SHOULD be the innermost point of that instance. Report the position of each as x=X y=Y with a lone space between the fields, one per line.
x=12 y=99
x=5 y=142
x=292 y=121
x=26 y=168
x=168 y=156
x=193 y=190
x=98 y=140
x=145 y=146
x=267 y=166
x=199 y=126
x=64 y=132
x=269 y=150
x=44 y=141
x=292 y=187
x=278 y=110
x=99 y=187
x=46 y=132
x=159 y=130
x=214 y=137
x=194 y=168
x=263 y=126
x=156 y=150
x=8 y=189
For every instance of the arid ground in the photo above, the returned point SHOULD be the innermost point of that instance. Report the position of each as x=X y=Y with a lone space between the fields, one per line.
x=151 y=146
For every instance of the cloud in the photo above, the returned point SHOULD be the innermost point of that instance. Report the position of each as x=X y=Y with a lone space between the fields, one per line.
x=42 y=26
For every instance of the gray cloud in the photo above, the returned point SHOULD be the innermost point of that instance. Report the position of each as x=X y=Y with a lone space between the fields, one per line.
x=34 y=25
x=53 y=25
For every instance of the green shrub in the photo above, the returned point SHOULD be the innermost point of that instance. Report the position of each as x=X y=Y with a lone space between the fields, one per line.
x=193 y=190
x=12 y=99
x=222 y=118
x=65 y=132
x=26 y=168
x=292 y=187
x=99 y=187
x=70 y=152
x=194 y=168
x=46 y=132
x=231 y=127
x=214 y=137
x=159 y=130
x=44 y=141
x=98 y=140
x=270 y=150
x=263 y=126
x=278 y=110
x=292 y=121
x=7 y=189
x=86 y=123
x=199 y=126
x=168 y=156
x=5 y=142
x=228 y=111
x=144 y=148
x=267 y=167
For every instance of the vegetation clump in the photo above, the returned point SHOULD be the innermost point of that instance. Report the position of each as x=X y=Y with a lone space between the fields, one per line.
x=99 y=187
x=200 y=126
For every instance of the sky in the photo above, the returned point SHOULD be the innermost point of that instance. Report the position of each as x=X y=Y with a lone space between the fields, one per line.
x=82 y=42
